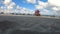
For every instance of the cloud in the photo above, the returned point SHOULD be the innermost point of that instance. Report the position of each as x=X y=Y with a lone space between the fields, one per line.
x=18 y=7
x=7 y=2
x=54 y=2
x=8 y=5
x=44 y=4
x=26 y=11
x=55 y=8
x=41 y=5
x=11 y=5
x=1 y=7
x=46 y=11
x=31 y=1
x=48 y=7
x=45 y=7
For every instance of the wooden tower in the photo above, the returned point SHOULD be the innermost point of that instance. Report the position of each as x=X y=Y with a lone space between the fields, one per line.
x=37 y=13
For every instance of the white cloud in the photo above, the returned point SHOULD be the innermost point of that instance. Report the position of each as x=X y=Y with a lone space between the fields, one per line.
x=1 y=7
x=31 y=1
x=8 y=6
x=54 y=2
x=26 y=11
x=49 y=6
x=18 y=7
x=23 y=10
x=55 y=8
x=39 y=7
x=46 y=11
x=11 y=6
x=44 y=4
x=7 y=2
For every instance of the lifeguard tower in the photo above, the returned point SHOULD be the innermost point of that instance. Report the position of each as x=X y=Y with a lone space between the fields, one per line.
x=37 y=13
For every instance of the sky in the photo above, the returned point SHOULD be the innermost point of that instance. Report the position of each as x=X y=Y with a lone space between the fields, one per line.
x=24 y=3
x=46 y=7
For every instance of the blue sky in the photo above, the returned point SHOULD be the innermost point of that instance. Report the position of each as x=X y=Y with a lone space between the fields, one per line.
x=23 y=3
x=31 y=6
x=46 y=7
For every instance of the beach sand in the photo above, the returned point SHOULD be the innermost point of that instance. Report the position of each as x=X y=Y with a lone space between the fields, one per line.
x=28 y=25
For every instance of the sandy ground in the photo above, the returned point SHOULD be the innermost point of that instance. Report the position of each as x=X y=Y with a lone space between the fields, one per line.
x=29 y=24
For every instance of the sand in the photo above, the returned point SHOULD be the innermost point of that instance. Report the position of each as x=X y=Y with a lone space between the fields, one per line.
x=28 y=25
